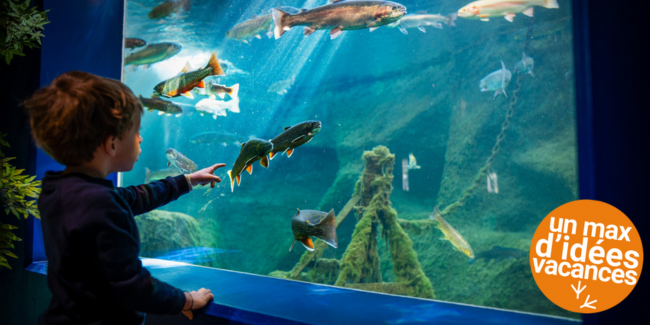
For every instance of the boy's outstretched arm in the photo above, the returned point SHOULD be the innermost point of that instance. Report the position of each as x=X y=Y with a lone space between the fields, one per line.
x=146 y=197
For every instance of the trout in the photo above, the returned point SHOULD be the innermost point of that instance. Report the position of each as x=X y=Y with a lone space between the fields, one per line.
x=184 y=83
x=314 y=223
x=294 y=137
x=152 y=53
x=451 y=234
x=486 y=9
x=251 y=151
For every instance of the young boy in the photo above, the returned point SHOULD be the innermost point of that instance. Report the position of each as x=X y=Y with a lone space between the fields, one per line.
x=91 y=125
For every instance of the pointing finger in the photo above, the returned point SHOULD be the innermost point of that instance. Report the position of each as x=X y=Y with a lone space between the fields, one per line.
x=217 y=166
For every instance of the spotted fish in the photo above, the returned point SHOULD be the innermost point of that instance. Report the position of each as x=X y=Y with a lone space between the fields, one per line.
x=294 y=137
x=251 y=151
x=314 y=223
x=451 y=234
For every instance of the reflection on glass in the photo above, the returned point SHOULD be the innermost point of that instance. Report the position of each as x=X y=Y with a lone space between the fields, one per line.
x=315 y=110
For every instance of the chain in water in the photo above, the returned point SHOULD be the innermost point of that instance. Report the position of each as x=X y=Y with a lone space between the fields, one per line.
x=497 y=145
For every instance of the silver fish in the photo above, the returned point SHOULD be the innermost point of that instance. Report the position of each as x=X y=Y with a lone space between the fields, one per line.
x=526 y=65
x=180 y=162
x=496 y=81
x=281 y=87
x=421 y=19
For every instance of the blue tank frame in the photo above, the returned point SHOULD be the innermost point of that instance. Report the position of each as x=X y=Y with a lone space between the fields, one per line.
x=90 y=38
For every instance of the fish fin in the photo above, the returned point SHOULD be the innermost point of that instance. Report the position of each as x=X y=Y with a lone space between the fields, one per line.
x=294 y=242
x=147 y=66
x=269 y=34
x=221 y=95
x=504 y=94
x=169 y=164
x=238 y=179
x=213 y=97
x=496 y=93
x=279 y=20
x=188 y=94
x=242 y=146
x=551 y=4
x=298 y=139
x=528 y=12
x=214 y=63
x=403 y=30
x=286 y=128
x=234 y=91
x=485 y=19
x=503 y=75
x=202 y=114
x=328 y=229
x=289 y=152
x=272 y=154
x=335 y=1
x=336 y=32
x=309 y=245
x=451 y=19
x=178 y=115
x=531 y=73
x=201 y=84
x=249 y=169
x=258 y=36
x=245 y=41
x=265 y=162
x=437 y=25
x=422 y=29
x=214 y=116
x=232 y=181
x=372 y=29
x=483 y=16
x=187 y=4
x=374 y=23
x=509 y=17
x=161 y=113
x=186 y=68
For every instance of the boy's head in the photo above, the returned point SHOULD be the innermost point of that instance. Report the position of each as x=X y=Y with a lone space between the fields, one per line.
x=80 y=114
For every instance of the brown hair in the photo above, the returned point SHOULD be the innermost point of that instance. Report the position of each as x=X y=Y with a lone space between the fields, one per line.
x=77 y=112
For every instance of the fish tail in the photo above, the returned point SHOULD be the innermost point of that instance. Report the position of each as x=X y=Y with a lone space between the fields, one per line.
x=551 y=4
x=214 y=63
x=328 y=229
x=279 y=22
x=451 y=18
x=232 y=181
x=234 y=91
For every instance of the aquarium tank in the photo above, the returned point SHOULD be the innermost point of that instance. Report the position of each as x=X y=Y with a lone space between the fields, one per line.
x=407 y=147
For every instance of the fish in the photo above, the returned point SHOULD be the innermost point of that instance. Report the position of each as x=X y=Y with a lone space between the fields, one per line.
x=492 y=184
x=214 y=107
x=281 y=87
x=338 y=16
x=169 y=7
x=251 y=151
x=132 y=43
x=451 y=234
x=162 y=106
x=526 y=65
x=496 y=81
x=213 y=88
x=152 y=176
x=231 y=69
x=405 y=175
x=183 y=164
x=256 y=25
x=413 y=164
x=294 y=137
x=308 y=223
x=185 y=82
x=421 y=19
x=152 y=53
x=486 y=9
x=222 y=138
x=499 y=253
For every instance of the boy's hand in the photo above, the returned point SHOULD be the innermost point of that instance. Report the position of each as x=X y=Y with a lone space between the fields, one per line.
x=206 y=176
x=197 y=300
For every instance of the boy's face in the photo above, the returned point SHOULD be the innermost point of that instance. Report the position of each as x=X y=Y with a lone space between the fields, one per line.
x=128 y=148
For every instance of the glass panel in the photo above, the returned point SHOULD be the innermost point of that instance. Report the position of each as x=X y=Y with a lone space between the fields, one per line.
x=438 y=108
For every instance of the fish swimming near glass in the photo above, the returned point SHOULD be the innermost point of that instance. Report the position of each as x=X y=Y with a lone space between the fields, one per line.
x=486 y=9
x=221 y=138
x=413 y=164
x=162 y=106
x=183 y=164
x=499 y=253
x=281 y=87
x=152 y=176
x=132 y=43
x=311 y=223
x=214 y=107
x=151 y=54
x=451 y=234
x=185 y=82
x=231 y=69
x=213 y=88
x=526 y=65
x=251 y=151
x=421 y=19
x=338 y=16
x=294 y=137
x=169 y=7
x=256 y=25
x=497 y=81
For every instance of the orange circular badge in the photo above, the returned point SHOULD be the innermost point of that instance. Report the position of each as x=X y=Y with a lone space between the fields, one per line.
x=586 y=256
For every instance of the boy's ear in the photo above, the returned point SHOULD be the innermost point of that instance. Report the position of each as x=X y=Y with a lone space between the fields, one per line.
x=110 y=146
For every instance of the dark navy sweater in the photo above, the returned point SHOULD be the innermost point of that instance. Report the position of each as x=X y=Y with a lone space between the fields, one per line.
x=92 y=246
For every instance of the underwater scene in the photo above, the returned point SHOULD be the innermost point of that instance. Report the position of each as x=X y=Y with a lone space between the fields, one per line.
x=407 y=147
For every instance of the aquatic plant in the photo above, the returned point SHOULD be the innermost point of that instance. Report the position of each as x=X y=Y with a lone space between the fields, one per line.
x=15 y=192
x=20 y=27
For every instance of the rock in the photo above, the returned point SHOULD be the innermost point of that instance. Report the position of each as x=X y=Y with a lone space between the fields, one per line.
x=163 y=231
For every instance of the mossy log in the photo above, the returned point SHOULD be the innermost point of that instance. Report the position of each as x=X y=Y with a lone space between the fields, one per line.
x=360 y=262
